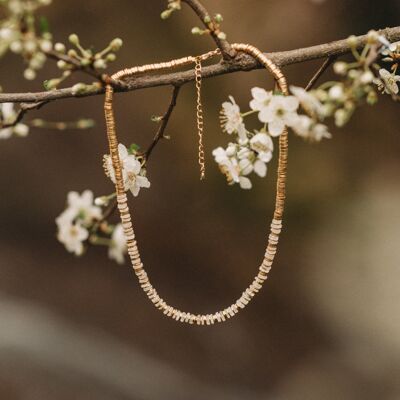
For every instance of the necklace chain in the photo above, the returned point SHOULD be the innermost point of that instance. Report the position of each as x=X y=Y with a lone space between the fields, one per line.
x=276 y=225
x=199 y=115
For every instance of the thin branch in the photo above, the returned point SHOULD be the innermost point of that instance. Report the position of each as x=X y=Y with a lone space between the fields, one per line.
x=76 y=65
x=326 y=64
x=240 y=63
x=226 y=50
x=24 y=108
x=164 y=122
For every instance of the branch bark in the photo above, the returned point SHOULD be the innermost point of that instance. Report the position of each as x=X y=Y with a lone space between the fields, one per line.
x=240 y=63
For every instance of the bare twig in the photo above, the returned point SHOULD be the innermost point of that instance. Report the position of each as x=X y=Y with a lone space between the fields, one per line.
x=226 y=50
x=23 y=109
x=240 y=63
x=164 y=122
x=326 y=64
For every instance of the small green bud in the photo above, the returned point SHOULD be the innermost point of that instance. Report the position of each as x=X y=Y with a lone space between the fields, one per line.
x=156 y=118
x=72 y=53
x=221 y=35
x=218 y=18
x=100 y=64
x=372 y=37
x=207 y=19
x=133 y=148
x=85 y=62
x=116 y=44
x=78 y=88
x=352 y=41
x=62 y=64
x=175 y=5
x=197 y=31
x=372 y=98
x=74 y=39
x=60 y=47
x=111 y=57
x=85 y=123
x=340 y=68
x=51 y=84
x=166 y=14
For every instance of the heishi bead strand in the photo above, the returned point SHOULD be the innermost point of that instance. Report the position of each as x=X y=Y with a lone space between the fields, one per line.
x=122 y=200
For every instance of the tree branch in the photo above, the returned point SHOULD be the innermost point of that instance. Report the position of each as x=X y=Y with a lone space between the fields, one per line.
x=326 y=64
x=240 y=63
x=164 y=122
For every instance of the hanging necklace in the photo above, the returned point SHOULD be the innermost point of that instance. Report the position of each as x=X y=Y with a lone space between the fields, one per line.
x=276 y=224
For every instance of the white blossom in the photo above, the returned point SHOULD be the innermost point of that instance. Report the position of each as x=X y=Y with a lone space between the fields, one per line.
x=319 y=132
x=388 y=82
x=72 y=235
x=117 y=247
x=231 y=118
x=261 y=101
x=308 y=129
x=132 y=173
x=308 y=101
x=280 y=113
x=263 y=145
x=83 y=206
x=230 y=167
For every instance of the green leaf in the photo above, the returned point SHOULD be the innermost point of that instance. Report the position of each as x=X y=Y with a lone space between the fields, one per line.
x=133 y=148
x=44 y=25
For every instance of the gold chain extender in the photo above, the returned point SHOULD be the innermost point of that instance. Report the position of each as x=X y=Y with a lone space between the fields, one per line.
x=123 y=207
x=199 y=118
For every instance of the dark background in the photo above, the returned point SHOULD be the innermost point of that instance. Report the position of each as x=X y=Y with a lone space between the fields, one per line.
x=326 y=326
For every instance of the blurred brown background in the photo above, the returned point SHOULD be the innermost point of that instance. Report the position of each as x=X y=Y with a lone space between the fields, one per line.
x=327 y=324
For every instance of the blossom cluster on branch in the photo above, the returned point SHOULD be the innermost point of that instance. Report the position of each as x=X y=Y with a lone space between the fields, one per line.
x=305 y=112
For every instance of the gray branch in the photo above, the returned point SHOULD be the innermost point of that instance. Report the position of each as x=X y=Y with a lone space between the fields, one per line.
x=241 y=62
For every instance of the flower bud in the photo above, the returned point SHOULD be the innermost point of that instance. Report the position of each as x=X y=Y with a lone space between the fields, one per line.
x=372 y=98
x=78 y=88
x=116 y=44
x=352 y=41
x=60 y=47
x=111 y=57
x=367 y=77
x=340 y=68
x=61 y=64
x=74 y=39
x=166 y=14
x=197 y=31
x=100 y=64
x=72 y=53
x=29 y=74
x=21 y=130
x=221 y=35
x=372 y=37
x=46 y=46
x=218 y=18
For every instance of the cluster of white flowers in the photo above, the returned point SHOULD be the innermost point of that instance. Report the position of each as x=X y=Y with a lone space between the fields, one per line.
x=251 y=151
x=133 y=172
x=18 y=33
x=305 y=112
x=8 y=116
x=387 y=82
x=78 y=225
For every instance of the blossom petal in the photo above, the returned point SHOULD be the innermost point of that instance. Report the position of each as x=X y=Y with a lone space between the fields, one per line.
x=260 y=168
x=245 y=183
